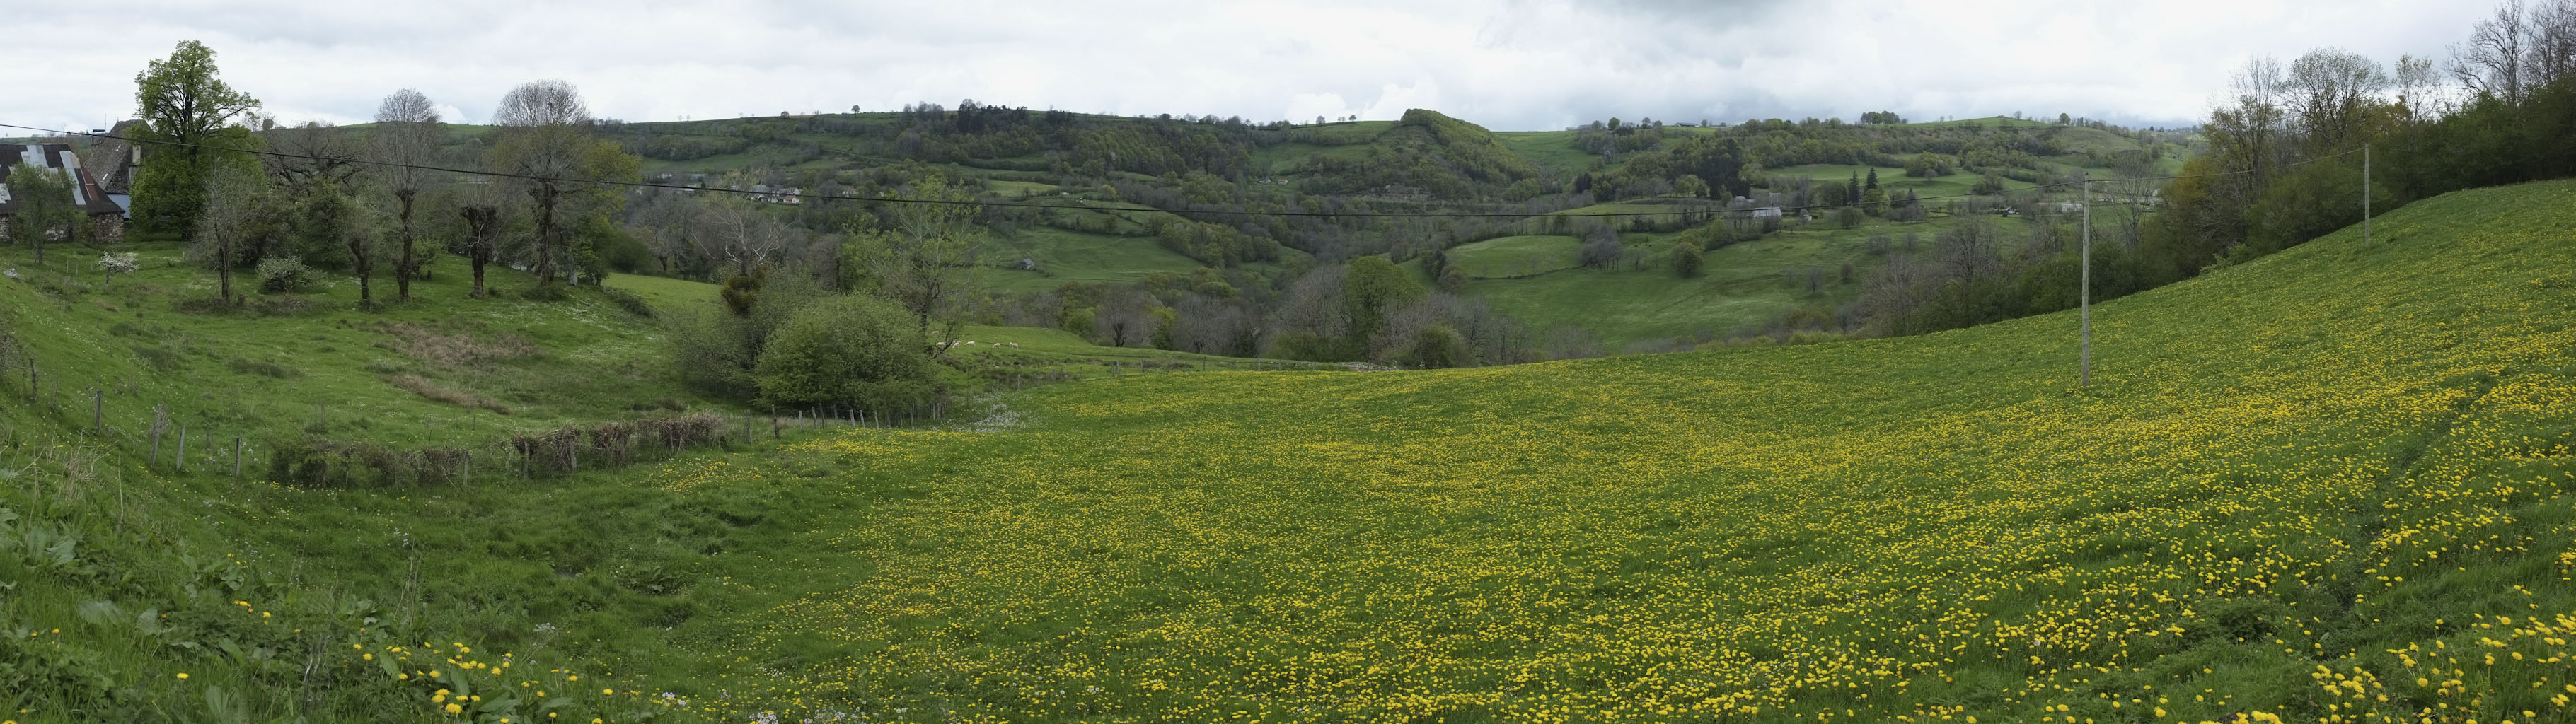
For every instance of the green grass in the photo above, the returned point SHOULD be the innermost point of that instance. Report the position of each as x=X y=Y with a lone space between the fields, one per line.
x=2338 y=462
x=666 y=292
x=1941 y=523
x=1515 y=255
x=1742 y=286
x=1064 y=256
x=1892 y=179
x=1549 y=149
x=316 y=357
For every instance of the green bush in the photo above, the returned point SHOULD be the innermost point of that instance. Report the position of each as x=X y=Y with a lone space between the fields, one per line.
x=631 y=302
x=846 y=352
x=1439 y=347
x=1686 y=258
x=284 y=274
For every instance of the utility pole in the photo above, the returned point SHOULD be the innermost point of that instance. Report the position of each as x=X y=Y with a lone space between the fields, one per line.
x=2084 y=298
x=2365 y=195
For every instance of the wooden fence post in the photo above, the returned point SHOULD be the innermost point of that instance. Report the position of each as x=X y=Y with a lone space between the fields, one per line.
x=180 y=461
x=98 y=410
x=160 y=423
x=237 y=446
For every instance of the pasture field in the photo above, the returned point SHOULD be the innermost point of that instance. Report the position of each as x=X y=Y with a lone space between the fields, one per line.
x=2361 y=491
x=1549 y=149
x=1064 y=256
x=439 y=368
x=2333 y=484
x=1741 y=285
x=1893 y=179
x=1515 y=255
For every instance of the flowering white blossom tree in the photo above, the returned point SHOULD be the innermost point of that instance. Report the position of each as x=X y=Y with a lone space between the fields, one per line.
x=114 y=264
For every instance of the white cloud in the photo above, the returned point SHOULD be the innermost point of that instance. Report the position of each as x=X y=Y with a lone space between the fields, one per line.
x=1525 y=64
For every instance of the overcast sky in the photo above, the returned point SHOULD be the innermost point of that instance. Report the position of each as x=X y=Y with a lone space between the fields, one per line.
x=1512 y=65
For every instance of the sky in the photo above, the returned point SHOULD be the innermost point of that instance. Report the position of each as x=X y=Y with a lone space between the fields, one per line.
x=1503 y=64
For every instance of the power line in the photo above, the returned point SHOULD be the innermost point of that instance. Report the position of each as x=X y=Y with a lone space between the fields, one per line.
x=1008 y=204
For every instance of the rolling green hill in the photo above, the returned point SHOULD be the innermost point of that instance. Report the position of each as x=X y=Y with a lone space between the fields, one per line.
x=2333 y=484
x=1423 y=162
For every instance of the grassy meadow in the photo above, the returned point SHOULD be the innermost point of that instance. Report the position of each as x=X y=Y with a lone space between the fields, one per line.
x=2333 y=484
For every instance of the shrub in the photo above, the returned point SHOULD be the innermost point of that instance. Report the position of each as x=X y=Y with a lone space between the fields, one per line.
x=631 y=302
x=846 y=351
x=264 y=369
x=421 y=386
x=200 y=305
x=282 y=274
x=1686 y=258
x=1439 y=347
x=160 y=359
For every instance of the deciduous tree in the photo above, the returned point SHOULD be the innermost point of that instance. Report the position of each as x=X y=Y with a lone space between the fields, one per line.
x=236 y=198
x=181 y=101
x=546 y=144
x=45 y=210
x=407 y=135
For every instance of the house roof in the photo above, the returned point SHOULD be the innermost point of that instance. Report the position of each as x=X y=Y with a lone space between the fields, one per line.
x=86 y=193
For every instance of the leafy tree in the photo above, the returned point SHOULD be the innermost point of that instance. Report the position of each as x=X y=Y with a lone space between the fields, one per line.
x=331 y=219
x=1079 y=320
x=181 y=101
x=742 y=291
x=1600 y=247
x=846 y=351
x=45 y=209
x=1990 y=183
x=545 y=138
x=1453 y=280
x=1439 y=347
x=924 y=257
x=1372 y=287
x=1691 y=185
x=407 y=132
x=236 y=200
x=1686 y=258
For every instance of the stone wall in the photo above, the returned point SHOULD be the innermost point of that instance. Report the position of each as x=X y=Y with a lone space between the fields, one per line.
x=107 y=228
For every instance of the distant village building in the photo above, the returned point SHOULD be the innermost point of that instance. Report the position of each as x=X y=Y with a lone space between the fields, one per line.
x=106 y=212
x=1767 y=212
x=1027 y=265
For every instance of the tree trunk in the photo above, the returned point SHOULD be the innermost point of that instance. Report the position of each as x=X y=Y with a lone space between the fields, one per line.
x=366 y=270
x=224 y=267
x=409 y=265
x=545 y=235
x=480 y=223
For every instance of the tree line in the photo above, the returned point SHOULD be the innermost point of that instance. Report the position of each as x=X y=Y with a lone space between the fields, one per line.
x=2283 y=166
